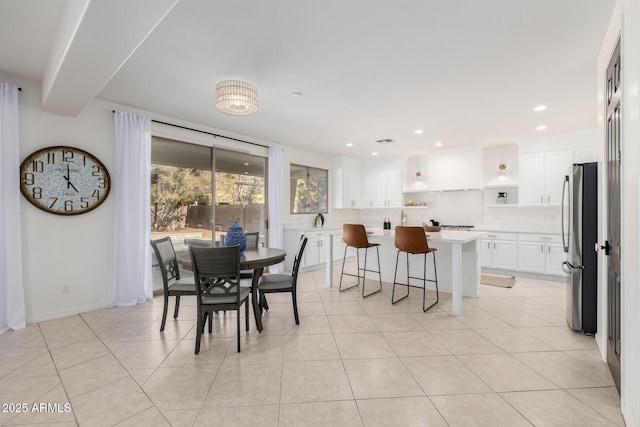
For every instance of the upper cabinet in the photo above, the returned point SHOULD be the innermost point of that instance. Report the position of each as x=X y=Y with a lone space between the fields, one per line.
x=367 y=184
x=347 y=189
x=382 y=188
x=541 y=176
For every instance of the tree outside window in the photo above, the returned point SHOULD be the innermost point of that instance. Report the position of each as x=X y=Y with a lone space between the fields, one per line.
x=309 y=190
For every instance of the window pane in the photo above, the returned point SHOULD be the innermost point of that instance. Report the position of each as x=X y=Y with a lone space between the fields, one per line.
x=298 y=189
x=240 y=193
x=308 y=188
x=317 y=190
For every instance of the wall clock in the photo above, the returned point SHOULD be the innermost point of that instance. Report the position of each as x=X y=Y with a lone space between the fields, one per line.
x=64 y=180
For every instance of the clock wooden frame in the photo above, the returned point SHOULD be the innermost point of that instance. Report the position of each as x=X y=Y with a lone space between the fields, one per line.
x=64 y=180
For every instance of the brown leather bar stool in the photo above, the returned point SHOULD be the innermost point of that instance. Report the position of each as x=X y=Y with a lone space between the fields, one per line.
x=412 y=241
x=354 y=235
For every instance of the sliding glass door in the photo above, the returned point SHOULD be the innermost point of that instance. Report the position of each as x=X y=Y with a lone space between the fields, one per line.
x=198 y=192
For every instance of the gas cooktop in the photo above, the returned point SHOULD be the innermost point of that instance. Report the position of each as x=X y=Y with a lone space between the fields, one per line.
x=457 y=227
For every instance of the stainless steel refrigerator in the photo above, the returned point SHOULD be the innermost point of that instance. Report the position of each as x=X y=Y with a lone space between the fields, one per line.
x=579 y=237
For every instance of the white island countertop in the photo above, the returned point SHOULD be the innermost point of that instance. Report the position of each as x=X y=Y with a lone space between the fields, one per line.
x=444 y=236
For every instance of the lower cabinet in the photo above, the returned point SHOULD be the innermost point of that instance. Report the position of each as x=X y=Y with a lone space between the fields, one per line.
x=315 y=253
x=498 y=250
x=541 y=253
x=528 y=252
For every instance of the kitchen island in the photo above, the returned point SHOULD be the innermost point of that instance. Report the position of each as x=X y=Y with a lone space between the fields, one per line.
x=457 y=262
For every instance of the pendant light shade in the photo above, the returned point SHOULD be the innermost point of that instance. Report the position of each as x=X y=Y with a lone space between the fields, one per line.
x=236 y=97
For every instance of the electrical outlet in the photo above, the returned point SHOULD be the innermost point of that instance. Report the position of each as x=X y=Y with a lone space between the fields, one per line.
x=66 y=289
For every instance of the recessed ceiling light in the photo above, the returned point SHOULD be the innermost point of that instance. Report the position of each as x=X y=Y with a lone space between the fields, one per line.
x=374 y=154
x=540 y=108
x=439 y=144
x=541 y=127
x=418 y=131
x=349 y=144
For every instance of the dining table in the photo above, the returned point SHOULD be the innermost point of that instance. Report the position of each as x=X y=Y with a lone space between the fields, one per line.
x=255 y=259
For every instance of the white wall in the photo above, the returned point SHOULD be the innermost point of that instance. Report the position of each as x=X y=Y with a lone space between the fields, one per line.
x=76 y=251
x=625 y=21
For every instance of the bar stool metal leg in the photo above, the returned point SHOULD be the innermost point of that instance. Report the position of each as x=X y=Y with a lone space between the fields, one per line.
x=435 y=272
x=371 y=271
x=395 y=274
x=357 y=270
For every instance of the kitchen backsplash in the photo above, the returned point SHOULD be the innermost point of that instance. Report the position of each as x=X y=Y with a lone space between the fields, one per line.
x=448 y=207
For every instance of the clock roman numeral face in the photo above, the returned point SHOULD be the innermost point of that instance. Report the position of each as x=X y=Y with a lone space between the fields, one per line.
x=64 y=180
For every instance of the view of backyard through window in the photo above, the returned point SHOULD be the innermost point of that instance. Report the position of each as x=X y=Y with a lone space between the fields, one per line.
x=182 y=192
x=309 y=193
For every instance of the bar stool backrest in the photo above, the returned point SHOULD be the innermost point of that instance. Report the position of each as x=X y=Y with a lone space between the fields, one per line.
x=411 y=239
x=354 y=235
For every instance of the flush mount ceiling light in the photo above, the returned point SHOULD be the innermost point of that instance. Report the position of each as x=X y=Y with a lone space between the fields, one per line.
x=236 y=97
x=418 y=131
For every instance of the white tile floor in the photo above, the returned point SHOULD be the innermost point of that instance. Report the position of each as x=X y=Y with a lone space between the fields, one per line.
x=509 y=360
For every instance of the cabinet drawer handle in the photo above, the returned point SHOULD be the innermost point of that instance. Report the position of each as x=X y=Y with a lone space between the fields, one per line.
x=491 y=235
x=549 y=248
x=548 y=200
x=541 y=248
x=541 y=200
x=545 y=238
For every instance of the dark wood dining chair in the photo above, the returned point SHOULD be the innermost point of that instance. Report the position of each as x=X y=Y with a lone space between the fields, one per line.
x=217 y=280
x=172 y=284
x=413 y=241
x=273 y=283
x=355 y=236
x=252 y=243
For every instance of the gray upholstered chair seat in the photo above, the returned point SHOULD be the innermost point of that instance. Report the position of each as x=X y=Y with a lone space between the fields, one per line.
x=271 y=282
x=226 y=298
x=183 y=285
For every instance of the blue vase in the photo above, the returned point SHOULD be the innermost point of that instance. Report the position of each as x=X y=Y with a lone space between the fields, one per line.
x=236 y=236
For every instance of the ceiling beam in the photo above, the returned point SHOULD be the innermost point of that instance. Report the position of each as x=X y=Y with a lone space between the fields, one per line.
x=95 y=39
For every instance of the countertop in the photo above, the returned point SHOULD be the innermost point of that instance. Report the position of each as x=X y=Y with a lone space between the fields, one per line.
x=516 y=229
x=444 y=236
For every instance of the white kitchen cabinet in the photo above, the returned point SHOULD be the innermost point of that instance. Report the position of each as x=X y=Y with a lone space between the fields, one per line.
x=541 y=176
x=498 y=250
x=382 y=188
x=347 y=188
x=541 y=253
x=315 y=251
x=555 y=257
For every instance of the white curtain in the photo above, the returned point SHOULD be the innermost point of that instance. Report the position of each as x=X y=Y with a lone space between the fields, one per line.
x=12 y=312
x=276 y=236
x=132 y=281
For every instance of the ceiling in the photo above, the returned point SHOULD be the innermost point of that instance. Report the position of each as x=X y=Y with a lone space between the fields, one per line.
x=462 y=71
